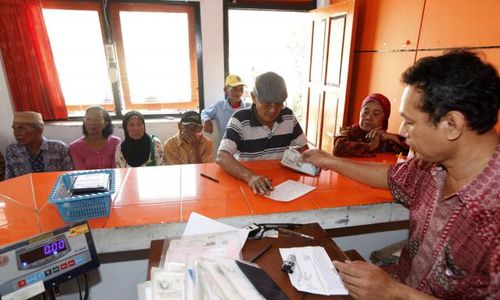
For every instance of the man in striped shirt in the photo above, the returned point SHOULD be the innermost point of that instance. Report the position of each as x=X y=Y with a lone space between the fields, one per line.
x=261 y=132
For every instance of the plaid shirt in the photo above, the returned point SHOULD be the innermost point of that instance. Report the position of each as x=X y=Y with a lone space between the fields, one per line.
x=178 y=152
x=54 y=155
x=454 y=247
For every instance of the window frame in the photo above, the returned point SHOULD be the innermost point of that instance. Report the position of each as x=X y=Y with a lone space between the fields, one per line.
x=115 y=9
x=58 y=4
x=111 y=32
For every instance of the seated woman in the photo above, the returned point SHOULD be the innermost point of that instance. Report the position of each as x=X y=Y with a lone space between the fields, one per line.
x=370 y=135
x=138 y=149
x=96 y=148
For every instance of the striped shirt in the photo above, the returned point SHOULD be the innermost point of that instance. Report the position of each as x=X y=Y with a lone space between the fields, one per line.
x=247 y=139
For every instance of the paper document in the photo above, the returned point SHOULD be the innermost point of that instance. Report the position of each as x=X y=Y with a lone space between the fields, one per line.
x=199 y=224
x=289 y=190
x=224 y=244
x=314 y=271
x=292 y=159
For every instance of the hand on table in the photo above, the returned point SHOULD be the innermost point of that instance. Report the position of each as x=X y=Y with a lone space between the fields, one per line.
x=261 y=185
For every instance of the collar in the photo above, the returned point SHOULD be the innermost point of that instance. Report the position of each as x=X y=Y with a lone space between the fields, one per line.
x=254 y=122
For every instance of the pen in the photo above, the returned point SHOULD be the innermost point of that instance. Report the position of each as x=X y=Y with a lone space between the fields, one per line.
x=261 y=252
x=209 y=177
x=295 y=233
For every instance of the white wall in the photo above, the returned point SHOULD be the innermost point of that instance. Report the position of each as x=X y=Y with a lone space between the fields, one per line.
x=213 y=79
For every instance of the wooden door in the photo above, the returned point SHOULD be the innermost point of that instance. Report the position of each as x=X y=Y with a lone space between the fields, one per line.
x=332 y=46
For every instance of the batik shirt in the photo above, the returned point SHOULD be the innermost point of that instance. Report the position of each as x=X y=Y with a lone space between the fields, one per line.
x=454 y=247
x=352 y=141
x=177 y=152
x=52 y=156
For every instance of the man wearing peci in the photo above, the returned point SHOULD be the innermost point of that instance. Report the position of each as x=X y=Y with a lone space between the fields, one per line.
x=33 y=152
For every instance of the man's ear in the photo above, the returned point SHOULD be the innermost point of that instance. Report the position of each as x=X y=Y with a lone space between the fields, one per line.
x=254 y=99
x=455 y=124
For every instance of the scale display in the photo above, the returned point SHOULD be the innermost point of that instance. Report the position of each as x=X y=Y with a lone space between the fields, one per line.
x=43 y=253
x=48 y=259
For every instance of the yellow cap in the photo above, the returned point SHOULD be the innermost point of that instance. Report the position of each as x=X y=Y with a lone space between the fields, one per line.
x=233 y=80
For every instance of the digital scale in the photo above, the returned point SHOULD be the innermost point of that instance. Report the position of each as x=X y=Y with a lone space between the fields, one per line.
x=44 y=261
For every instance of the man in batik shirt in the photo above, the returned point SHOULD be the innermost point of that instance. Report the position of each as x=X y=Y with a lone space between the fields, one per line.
x=449 y=106
x=33 y=152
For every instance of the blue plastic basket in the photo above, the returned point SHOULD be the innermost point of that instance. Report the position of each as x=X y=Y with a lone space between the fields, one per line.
x=81 y=207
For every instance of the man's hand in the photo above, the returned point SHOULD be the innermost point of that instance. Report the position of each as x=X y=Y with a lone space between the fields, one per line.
x=367 y=281
x=208 y=127
x=261 y=185
x=192 y=139
x=318 y=158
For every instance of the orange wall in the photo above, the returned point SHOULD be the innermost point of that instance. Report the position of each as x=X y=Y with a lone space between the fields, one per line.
x=392 y=34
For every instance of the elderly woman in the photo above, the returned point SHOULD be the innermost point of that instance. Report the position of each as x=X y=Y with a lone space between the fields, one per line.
x=370 y=135
x=138 y=149
x=96 y=148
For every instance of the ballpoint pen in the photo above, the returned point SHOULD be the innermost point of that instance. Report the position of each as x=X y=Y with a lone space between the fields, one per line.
x=209 y=177
x=295 y=233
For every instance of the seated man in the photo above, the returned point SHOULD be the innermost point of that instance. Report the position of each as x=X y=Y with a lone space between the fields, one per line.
x=189 y=145
x=449 y=106
x=263 y=131
x=33 y=152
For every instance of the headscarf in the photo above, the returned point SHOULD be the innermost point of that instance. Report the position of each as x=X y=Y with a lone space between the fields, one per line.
x=135 y=152
x=384 y=103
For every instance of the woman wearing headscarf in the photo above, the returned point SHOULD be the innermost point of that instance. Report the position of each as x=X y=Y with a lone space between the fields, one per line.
x=138 y=149
x=370 y=135
x=96 y=148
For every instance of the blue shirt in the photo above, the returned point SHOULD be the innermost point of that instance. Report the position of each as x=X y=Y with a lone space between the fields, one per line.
x=52 y=156
x=221 y=112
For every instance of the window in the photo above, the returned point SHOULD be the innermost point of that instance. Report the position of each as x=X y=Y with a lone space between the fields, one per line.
x=148 y=63
x=277 y=42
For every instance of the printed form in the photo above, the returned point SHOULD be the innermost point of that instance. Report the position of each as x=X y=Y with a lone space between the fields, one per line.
x=314 y=271
x=289 y=190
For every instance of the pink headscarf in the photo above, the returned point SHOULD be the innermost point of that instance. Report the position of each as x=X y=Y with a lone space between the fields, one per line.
x=384 y=103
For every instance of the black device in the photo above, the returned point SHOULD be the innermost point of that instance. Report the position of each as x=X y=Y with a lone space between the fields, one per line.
x=49 y=259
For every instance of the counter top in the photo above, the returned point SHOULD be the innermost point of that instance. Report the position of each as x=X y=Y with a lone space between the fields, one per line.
x=155 y=202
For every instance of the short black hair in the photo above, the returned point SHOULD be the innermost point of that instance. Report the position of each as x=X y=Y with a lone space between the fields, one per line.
x=108 y=130
x=458 y=80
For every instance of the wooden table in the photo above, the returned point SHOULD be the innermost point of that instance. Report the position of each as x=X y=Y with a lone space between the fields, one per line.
x=271 y=260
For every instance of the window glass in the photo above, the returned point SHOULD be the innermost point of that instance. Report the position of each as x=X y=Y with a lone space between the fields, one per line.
x=78 y=49
x=277 y=42
x=158 y=68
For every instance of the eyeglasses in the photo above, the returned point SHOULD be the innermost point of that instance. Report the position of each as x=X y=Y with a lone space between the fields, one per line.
x=270 y=105
x=192 y=126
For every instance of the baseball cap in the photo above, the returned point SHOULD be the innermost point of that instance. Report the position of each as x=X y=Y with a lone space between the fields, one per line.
x=233 y=80
x=191 y=117
x=30 y=117
x=270 y=87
